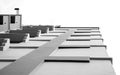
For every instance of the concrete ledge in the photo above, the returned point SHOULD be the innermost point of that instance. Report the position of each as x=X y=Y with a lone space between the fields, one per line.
x=69 y=39
x=79 y=46
x=67 y=59
x=102 y=58
x=86 y=35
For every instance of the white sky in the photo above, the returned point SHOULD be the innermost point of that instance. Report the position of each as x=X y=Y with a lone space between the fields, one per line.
x=102 y=13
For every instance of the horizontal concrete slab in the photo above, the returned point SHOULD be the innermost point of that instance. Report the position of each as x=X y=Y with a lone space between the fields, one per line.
x=84 y=39
x=75 y=59
x=29 y=44
x=85 y=33
x=90 y=36
x=57 y=32
x=41 y=38
x=91 y=42
x=80 y=35
x=52 y=34
x=84 y=30
x=14 y=53
x=97 y=32
x=79 y=46
x=95 y=67
x=67 y=59
x=91 y=52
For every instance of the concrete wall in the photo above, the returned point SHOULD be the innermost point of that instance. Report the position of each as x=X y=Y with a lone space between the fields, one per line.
x=17 y=24
x=5 y=26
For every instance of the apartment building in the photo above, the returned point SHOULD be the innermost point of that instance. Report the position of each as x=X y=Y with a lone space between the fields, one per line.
x=59 y=51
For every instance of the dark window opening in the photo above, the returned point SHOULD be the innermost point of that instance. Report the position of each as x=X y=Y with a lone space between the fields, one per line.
x=12 y=19
x=1 y=20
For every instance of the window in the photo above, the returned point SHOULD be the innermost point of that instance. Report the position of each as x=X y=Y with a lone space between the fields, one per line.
x=12 y=19
x=1 y=20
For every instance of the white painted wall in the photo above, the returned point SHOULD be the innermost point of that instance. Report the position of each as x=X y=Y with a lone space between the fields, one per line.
x=4 y=27
x=102 y=13
x=16 y=25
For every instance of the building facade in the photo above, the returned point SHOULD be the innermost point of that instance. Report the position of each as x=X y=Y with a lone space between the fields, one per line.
x=62 y=51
